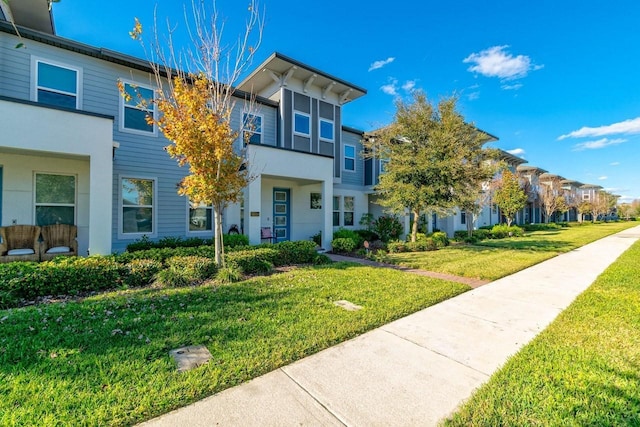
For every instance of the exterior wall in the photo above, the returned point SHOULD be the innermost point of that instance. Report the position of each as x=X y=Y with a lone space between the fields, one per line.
x=59 y=136
x=18 y=187
x=356 y=177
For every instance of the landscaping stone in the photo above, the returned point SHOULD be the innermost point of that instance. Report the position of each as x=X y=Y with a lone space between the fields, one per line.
x=349 y=306
x=190 y=357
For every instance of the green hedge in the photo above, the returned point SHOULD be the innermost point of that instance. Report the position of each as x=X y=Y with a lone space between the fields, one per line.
x=171 y=266
x=422 y=245
x=229 y=240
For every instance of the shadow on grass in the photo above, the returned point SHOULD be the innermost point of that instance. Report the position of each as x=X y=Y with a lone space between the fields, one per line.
x=528 y=244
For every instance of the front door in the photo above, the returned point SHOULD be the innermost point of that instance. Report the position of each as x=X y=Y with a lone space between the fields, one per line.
x=281 y=214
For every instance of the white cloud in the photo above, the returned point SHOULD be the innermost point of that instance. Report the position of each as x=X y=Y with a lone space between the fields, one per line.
x=626 y=127
x=409 y=85
x=473 y=96
x=390 y=88
x=512 y=87
x=516 y=151
x=614 y=164
x=379 y=64
x=600 y=143
x=603 y=177
x=497 y=62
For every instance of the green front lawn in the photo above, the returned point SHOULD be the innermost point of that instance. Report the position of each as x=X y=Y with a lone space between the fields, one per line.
x=583 y=370
x=104 y=360
x=493 y=259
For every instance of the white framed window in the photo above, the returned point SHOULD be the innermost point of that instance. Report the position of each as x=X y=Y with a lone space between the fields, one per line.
x=301 y=123
x=200 y=217
x=586 y=196
x=135 y=105
x=349 y=158
x=463 y=217
x=336 y=211
x=348 y=210
x=55 y=199
x=137 y=207
x=326 y=130
x=251 y=128
x=56 y=84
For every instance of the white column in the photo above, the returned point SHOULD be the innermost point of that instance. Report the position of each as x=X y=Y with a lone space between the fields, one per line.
x=252 y=203
x=100 y=202
x=327 y=206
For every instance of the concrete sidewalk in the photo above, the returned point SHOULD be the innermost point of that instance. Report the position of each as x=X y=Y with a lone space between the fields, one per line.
x=416 y=370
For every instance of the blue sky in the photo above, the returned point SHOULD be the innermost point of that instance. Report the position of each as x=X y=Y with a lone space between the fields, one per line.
x=557 y=81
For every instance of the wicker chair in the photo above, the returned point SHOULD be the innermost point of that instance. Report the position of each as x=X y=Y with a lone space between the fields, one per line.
x=20 y=243
x=59 y=240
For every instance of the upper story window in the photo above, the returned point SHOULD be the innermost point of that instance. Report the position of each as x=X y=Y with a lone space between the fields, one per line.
x=56 y=84
x=251 y=128
x=301 y=123
x=136 y=105
x=326 y=130
x=349 y=158
x=586 y=196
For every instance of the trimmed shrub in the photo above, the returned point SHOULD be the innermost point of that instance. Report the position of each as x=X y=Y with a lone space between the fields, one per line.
x=424 y=245
x=541 y=227
x=298 y=252
x=440 y=239
x=141 y=272
x=234 y=240
x=254 y=261
x=501 y=231
x=186 y=270
x=343 y=233
x=343 y=245
x=321 y=259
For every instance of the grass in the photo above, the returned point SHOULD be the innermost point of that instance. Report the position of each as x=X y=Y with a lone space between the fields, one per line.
x=104 y=360
x=493 y=259
x=584 y=369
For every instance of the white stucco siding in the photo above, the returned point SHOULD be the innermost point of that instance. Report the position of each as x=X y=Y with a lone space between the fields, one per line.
x=46 y=139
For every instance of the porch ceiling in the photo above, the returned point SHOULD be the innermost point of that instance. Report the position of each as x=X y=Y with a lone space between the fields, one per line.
x=39 y=153
x=299 y=181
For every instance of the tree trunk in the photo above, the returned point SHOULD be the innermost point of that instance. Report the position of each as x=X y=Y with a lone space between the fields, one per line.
x=414 y=226
x=469 y=220
x=509 y=221
x=217 y=237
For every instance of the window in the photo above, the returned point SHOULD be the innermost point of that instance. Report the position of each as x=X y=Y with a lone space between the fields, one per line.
x=348 y=210
x=57 y=85
x=586 y=196
x=200 y=217
x=383 y=165
x=336 y=211
x=55 y=199
x=252 y=128
x=316 y=201
x=137 y=104
x=137 y=205
x=301 y=123
x=326 y=130
x=463 y=217
x=349 y=158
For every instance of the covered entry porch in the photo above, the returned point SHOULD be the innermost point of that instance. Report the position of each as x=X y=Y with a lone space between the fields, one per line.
x=290 y=195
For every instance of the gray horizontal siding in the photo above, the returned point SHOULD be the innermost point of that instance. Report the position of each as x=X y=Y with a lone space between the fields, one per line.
x=137 y=155
x=356 y=177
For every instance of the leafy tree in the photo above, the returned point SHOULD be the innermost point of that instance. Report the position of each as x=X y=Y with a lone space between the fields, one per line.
x=433 y=157
x=625 y=211
x=195 y=98
x=509 y=195
x=603 y=204
x=585 y=207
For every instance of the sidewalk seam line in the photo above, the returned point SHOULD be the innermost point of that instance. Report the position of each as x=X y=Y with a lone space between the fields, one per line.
x=438 y=353
x=329 y=411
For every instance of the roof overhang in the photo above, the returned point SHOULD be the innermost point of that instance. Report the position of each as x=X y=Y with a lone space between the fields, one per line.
x=530 y=168
x=510 y=158
x=34 y=14
x=281 y=68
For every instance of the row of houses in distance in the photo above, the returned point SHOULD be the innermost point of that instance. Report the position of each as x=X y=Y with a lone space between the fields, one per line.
x=73 y=150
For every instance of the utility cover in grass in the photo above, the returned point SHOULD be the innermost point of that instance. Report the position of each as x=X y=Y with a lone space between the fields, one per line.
x=190 y=357
x=349 y=306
